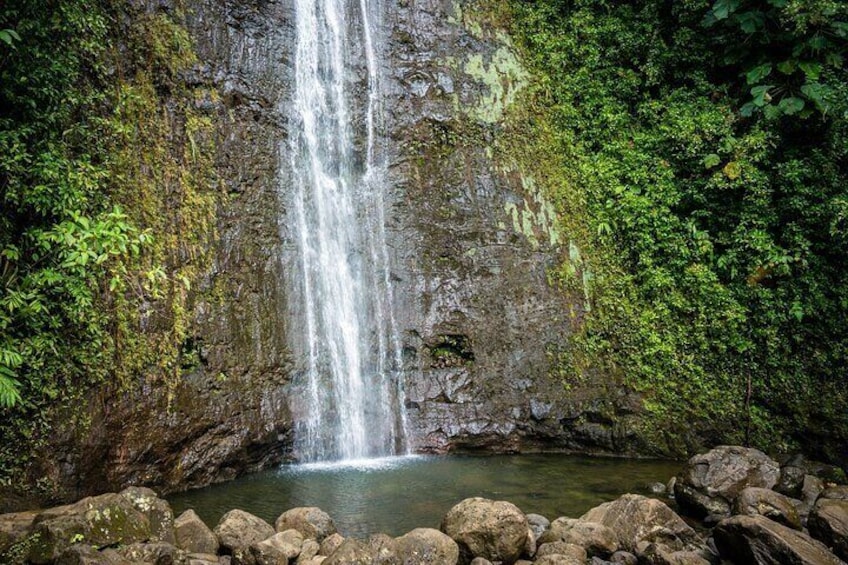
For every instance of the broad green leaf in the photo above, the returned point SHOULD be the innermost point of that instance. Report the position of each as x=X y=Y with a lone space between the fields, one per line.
x=747 y=110
x=811 y=69
x=791 y=105
x=758 y=73
x=711 y=160
x=815 y=93
x=761 y=95
x=9 y=393
x=787 y=67
x=751 y=22
x=723 y=8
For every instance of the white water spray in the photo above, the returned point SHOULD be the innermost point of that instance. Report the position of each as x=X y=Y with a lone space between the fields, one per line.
x=346 y=332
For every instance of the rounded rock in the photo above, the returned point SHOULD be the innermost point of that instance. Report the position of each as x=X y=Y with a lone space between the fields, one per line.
x=494 y=530
x=774 y=506
x=423 y=546
x=310 y=521
x=711 y=481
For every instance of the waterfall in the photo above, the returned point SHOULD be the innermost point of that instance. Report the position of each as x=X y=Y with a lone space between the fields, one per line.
x=344 y=332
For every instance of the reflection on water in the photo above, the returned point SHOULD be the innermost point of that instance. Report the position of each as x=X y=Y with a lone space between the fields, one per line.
x=395 y=495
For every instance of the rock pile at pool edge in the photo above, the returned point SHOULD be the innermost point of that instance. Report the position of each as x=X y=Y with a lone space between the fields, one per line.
x=729 y=488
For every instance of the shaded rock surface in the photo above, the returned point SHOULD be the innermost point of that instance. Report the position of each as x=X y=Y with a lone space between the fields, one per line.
x=760 y=541
x=635 y=519
x=753 y=500
x=105 y=520
x=193 y=535
x=711 y=481
x=828 y=523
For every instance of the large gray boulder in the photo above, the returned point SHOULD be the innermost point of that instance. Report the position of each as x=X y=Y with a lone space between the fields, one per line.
x=538 y=523
x=495 y=530
x=658 y=554
x=158 y=553
x=558 y=559
x=385 y=550
x=193 y=535
x=157 y=511
x=635 y=518
x=330 y=543
x=828 y=523
x=791 y=479
x=756 y=540
x=754 y=501
x=352 y=552
x=282 y=547
x=562 y=548
x=711 y=481
x=310 y=521
x=598 y=540
x=425 y=546
x=238 y=530
x=102 y=521
x=14 y=527
x=83 y=554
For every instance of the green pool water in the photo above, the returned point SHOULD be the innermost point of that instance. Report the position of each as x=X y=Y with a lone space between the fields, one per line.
x=395 y=495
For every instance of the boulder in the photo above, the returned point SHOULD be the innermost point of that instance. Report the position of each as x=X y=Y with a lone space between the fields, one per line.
x=282 y=547
x=624 y=558
x=756 y=540
x=310 y=521
x=558 y=559
x=835 y=493
x=658 y=554
x=481 y=561
x=157 y=511
x=84 y=554
x=538 y=524
x=159 y=553
x=330 y=544
x=310 y=549
x=495 y=530
x=384 y=549
x=711 y=481
x=635 y=518
x=201 y=559
x=193 y=535
x=14 y=528
x=102 y=521
x=811 y=489
x=657 y=488
x=555 y=530
x=774 y=506
x=423 y=546
x=238 y=530
x=828 y=523
x=562 y=548
x=598 y=540
x=351 y=552
x=791 y=479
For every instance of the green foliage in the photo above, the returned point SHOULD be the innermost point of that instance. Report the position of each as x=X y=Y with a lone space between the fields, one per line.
x=90 y=168
x=716 y=229
x=789 y=52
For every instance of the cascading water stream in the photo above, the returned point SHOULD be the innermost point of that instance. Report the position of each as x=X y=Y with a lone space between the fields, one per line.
x=346 y=334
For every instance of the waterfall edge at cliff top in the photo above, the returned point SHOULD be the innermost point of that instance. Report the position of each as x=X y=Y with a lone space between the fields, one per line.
x=345 y=341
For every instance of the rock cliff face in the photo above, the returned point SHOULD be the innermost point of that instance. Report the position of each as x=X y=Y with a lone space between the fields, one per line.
x=472 y=239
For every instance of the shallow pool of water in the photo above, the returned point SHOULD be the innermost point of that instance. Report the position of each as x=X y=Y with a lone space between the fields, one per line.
x=395 y=495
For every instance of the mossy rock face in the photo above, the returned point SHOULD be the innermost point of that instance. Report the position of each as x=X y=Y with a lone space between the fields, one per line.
x=100 y=521
x=157 y=511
